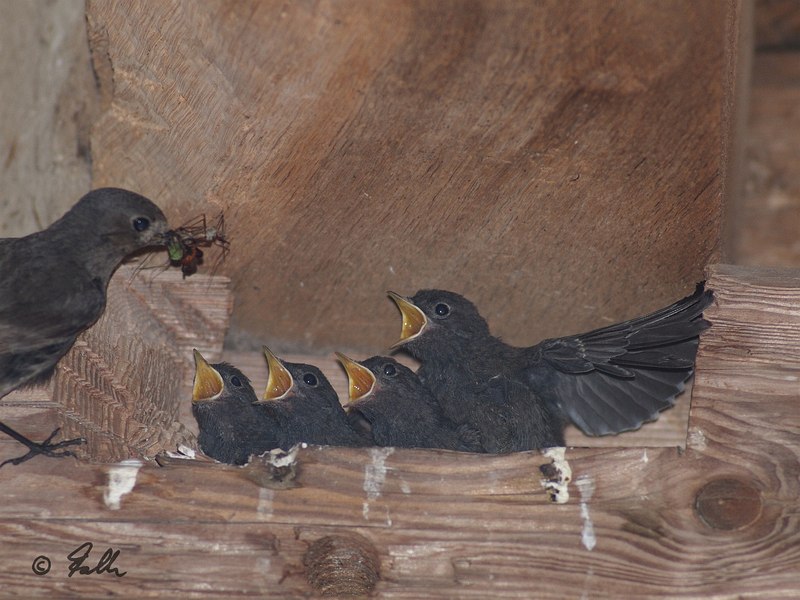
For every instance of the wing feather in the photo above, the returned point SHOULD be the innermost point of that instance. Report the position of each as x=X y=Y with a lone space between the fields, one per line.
x=616 y=378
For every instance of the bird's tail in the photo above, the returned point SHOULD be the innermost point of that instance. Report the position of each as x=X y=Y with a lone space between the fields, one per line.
x=616 y=378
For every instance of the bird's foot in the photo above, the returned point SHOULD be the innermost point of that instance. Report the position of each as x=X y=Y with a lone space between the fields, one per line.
x=44 y=448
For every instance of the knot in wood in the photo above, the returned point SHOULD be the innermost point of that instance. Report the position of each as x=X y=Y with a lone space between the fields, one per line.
x=342 y=565
x=728 y=504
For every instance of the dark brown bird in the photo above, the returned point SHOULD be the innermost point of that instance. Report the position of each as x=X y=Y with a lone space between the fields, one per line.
x=605 y=381
x=391 y=406
x=54 y=286
x=223 y=404
x=303 y=407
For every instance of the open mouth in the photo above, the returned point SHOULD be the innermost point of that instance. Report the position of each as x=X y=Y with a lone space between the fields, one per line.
x=207 y=380
x=280 y=380
x=414 y=320
x=361 y=380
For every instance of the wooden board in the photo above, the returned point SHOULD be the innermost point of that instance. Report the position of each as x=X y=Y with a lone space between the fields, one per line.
x=777 y=25
x=561 y=163
x=769 y=208
x=123 y=383
x=49 y=101
x=716 y=520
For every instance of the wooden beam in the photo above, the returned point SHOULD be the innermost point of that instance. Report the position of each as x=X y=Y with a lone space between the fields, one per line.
x=770 y=205
x=715 y=520
x=569 y=155
x=122 y=384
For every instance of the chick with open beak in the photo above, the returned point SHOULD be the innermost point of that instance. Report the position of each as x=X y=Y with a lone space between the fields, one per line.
x=301 y=402
x=389 y=403
x=231 y=429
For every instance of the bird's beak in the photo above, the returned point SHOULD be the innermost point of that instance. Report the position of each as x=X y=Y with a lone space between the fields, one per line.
x=158 y=232
x=280 y=380
x=361 y=380
x=207 y=380
x=414 y=320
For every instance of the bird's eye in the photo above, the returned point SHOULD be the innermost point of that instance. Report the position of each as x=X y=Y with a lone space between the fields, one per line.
x=141 y=223
x=236 y=382
x=389 y=370
x=309 y=379
x=442 y=309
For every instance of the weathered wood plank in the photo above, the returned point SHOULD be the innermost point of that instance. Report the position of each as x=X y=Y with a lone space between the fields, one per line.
x=716 y=520
x=768 y=210
x=404 y=476
x=746 y=404
x=122 y=384
x=471 y=527
x=541 y=149
x=265 y=560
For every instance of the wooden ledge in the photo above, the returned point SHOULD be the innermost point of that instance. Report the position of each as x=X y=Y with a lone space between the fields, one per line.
x=716 y=519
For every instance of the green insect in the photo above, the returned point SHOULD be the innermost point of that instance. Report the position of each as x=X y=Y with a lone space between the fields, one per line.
x=184 y=243
x=175 y=248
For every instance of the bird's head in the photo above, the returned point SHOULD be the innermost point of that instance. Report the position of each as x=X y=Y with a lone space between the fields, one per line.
x=118 y=220
x=297 y=382
x=437 y=320
x=221 y=382
x=377 y=375
x=382 y=394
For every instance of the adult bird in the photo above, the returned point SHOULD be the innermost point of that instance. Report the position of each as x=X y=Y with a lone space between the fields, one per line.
x=53 y=286
x=304 y=407
x=605 y=381
x=391 y=406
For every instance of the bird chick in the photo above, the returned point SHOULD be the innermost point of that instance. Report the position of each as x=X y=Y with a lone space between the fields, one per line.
x=605 y=381
x=223 y=404
x=390 y=405
x=303 y=406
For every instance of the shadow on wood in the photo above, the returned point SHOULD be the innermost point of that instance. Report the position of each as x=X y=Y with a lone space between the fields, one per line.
x=570 y=155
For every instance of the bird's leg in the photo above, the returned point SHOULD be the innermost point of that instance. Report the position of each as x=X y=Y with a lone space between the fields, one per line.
x=34 y=448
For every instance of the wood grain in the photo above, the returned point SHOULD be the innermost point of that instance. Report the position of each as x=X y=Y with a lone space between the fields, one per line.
x=769 y=207
x=777 y=25
x=557 y=162
x=716 y=520
x=49 y=104
x=122 y=384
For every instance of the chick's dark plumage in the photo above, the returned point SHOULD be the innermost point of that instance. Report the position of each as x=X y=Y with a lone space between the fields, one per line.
x=395 y=409
x=606 y=381
x=303 y=407
x=231 y=428
x=54 y=284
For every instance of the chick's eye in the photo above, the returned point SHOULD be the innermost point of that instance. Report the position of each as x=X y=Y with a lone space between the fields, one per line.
x=442 y=309
x=309 y=379
x=389 y=370
x=141 y=223
x=235 y=381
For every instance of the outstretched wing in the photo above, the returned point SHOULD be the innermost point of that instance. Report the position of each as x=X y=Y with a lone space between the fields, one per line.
x=616 y=378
